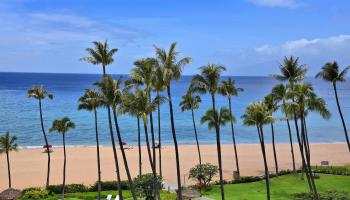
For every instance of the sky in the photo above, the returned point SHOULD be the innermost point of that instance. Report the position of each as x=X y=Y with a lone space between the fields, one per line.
x=249 y=37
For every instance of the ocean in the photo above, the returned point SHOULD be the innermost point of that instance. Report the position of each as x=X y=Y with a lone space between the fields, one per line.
x=20 y=115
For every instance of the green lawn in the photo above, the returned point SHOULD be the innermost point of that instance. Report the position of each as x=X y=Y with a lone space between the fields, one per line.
x=282 y=187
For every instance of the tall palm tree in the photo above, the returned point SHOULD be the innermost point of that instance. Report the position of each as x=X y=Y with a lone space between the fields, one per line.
x=191 y=102
x=100 y=54
x=159 y=86
x=172 y=69
x=63 y=126
x=142 y=107
x=90 y=101
x=208 y=82
x=111 y=92
x=40 y=93
x=279 y=92
x=229 y=89
x=8 y=144
x=257 y=114
x=303 y=95
x=143 y=74
x=271 y=106
x=293 y=72
x=331 y=73
x=129 y=106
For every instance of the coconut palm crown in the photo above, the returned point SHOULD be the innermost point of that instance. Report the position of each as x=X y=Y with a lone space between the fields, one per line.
x=100 y=54
x=291 y=70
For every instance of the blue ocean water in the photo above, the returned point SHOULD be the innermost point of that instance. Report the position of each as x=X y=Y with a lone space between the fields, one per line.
x=19 y=115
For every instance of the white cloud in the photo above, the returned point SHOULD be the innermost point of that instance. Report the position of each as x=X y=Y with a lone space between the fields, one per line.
x=276 y=3
x=313 y=52
x=304 y=46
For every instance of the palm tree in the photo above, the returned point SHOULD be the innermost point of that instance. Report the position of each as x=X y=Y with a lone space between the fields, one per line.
x=159 y=86
x=142 y=107
x=103 y=55
x=229 y=89
x=208 y=82
x=100 y=54
x=271 y=106
x=257 y=114
x=8 y=144
x=172 y=69
x=90 y=101
x=143 y=74
x=293 y=72
x=63 y=126
x=191 y=102
x=331 y=73
x=303 y=95
x=111 y=92
x=279 y=92
x=40 y=93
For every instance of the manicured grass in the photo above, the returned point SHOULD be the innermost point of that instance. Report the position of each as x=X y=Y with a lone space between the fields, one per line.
x=93 y=196
x=282 y=188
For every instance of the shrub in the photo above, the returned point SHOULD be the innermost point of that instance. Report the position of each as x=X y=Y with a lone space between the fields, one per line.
x=331 y=195
x=203 y=173
x=109 y=185
x=144 y=184
x=336 y=170
x=71 y=188
x=34 y=193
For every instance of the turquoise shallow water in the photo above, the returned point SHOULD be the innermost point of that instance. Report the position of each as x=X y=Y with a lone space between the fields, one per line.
x=20 y=115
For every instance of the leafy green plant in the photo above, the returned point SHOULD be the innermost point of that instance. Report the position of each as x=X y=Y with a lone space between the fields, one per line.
x=71 y=188
x=144 y=184
x=203 y=173
x=35 y=193
x=109 y=185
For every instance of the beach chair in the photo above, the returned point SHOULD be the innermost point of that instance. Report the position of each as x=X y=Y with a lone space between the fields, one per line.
x=109 y=197
x=117 y=197
x=126 y=146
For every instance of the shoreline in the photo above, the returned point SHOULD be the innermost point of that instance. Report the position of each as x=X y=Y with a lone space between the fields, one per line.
x=165 y=145
x=28 y=166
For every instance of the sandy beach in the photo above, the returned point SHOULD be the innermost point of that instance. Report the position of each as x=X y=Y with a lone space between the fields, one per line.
x=28 y=166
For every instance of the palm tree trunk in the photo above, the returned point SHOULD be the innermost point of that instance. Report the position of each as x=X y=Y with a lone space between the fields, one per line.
x=139 y=145
x=179 y=192
x=301 y=149
x=218 y=146
x=114 y=153
x=274 y=148
x=308 y=166
x=267 y=175
x=159 y=141
x=234 y=138
x=196 y=135
x=64 y=164
x=47 y=145
x=153 y=149
x=291 y=145
x=8 y=168
x=98 y=158
x=150 y=158
x=123 y=154
x=152 y=134
x=307 y=141
x=341 y=115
